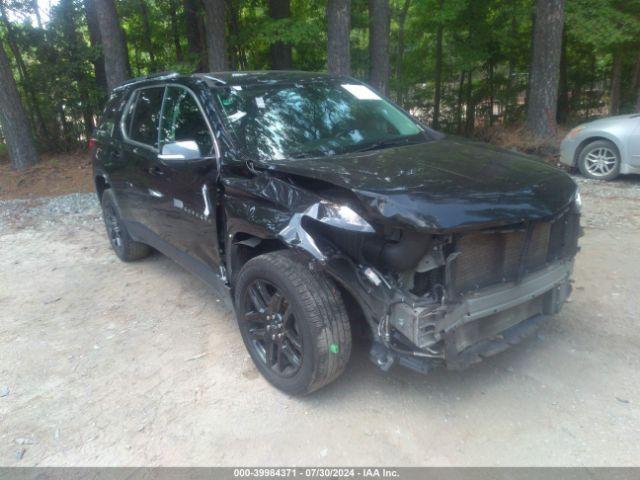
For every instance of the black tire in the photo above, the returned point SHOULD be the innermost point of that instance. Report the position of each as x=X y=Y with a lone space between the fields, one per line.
x=314 y=314
x=125 y=247
x=588 y=160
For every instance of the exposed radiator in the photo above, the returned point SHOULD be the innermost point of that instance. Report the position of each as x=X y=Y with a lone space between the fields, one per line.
x=490 y=257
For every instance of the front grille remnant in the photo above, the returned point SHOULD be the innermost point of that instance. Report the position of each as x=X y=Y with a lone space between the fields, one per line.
x=491 y=257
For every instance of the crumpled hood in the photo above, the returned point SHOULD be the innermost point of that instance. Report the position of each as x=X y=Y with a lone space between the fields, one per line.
x=445 y=184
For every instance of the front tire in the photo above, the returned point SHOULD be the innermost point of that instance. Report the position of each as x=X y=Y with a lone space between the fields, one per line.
x=600 y=160
x=293 y=322
x=125 y=247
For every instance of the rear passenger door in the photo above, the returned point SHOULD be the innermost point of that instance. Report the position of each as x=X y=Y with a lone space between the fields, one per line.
x=140 y=126
x=108 y=146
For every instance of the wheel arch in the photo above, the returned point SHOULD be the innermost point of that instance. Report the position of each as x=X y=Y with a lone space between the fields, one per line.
x=242 y=246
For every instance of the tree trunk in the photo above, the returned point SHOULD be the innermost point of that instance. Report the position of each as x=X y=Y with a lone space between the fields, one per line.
x=195 y=27
x=36 y=11
x=175 y=29
x=379 y=25
x=338 y=29
x=532 y=41
x=563 y=96
x=13 y=119
x=233 y=21
x=147 y=37
x=401 y=23
x=96 y=43
x=216 y=36
x=438 y=72
x=470 y=122
x=510 y=94
x=616 y=80
x=26 y=82
x=114 y=46
x=280 y=52
x=545 y=68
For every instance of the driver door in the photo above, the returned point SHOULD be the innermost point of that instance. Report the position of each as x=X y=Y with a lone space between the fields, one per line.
x=185 y=216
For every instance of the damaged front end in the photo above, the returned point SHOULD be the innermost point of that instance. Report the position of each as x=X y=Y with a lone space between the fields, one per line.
x=433 y=299
x=429 y=297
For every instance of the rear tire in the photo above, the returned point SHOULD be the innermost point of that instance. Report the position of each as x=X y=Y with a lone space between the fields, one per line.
x=293 y=322
x=599 y=160
x=125 y=247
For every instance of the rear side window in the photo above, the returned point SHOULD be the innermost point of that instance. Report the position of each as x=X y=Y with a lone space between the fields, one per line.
x=110 y=115
x=146 y=116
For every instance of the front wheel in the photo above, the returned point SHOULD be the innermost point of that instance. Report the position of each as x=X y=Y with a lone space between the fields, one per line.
x=600 y=160
x=293 y=322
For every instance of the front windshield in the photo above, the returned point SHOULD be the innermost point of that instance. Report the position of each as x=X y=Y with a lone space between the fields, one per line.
x=312 y=119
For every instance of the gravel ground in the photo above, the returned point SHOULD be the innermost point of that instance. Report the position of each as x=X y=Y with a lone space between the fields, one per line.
x=76 y=209
x=106 y=363
x=611 y=204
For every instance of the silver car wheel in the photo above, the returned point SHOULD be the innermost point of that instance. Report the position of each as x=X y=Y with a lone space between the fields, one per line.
x=601 y=161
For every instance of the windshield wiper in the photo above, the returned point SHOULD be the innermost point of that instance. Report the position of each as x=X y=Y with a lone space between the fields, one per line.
x=392 y=142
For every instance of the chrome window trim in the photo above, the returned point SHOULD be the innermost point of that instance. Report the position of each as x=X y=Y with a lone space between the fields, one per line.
x=165 y=85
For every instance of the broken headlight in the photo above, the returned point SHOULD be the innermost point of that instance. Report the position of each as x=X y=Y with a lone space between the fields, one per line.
x=342 y=216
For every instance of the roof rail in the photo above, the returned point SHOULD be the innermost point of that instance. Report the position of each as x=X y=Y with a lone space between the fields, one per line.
x=153 y=76
x=219 y=81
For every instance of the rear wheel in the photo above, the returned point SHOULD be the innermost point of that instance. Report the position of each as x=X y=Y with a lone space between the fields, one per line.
x=600 y=160
x=125 y=247
x=293 y=322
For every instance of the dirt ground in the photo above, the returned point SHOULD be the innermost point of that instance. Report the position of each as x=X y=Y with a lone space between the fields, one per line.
x=53 y=175
x=106 y=363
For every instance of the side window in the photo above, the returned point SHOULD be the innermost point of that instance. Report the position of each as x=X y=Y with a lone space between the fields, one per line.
x=146 y=116
x=183 y=120
x=109 y=117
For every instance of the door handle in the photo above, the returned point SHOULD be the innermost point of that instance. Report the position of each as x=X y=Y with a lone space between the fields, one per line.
x=156 y=171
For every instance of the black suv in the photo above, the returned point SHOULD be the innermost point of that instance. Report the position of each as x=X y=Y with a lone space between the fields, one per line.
x=323 y=207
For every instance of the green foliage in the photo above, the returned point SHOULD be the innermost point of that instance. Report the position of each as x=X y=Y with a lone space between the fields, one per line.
x=488 y=41
x=604 y=24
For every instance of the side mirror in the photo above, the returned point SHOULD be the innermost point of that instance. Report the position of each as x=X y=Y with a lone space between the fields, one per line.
x=180 y=151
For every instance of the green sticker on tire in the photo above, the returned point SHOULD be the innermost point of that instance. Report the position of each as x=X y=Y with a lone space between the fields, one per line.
x=334 y=348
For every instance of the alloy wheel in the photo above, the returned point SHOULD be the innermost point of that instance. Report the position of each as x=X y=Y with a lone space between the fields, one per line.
x=272 y=327
x=601 y=161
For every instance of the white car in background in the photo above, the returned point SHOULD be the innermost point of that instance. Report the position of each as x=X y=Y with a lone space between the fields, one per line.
x=604 y=148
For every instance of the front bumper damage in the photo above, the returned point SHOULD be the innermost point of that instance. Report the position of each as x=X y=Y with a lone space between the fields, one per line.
x=421 y=333
x=456 y=334
x=451 y=329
